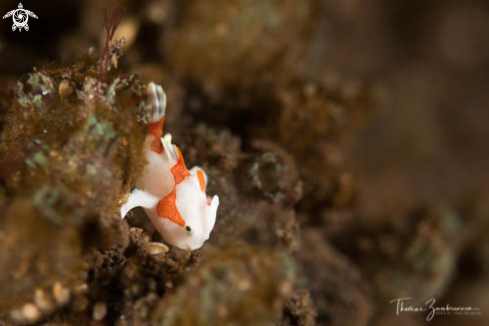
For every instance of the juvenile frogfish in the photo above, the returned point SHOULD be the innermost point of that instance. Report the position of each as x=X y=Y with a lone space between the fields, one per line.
x=173 y=197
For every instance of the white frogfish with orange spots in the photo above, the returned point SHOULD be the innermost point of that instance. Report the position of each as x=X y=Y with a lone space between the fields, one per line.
x=173 y=197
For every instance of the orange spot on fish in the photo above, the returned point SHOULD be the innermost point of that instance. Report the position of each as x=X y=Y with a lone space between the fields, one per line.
x=156 y=129
x=179 y=170
x=167 y=208
x=200 y=176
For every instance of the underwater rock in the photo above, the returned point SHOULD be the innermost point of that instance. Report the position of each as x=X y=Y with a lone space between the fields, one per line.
x=71 y=164
x=42 y=257
x=240 y=285
x=340 y=293
x=328 y=114
x=274 y=227
x=413 y=256
x=227 y=35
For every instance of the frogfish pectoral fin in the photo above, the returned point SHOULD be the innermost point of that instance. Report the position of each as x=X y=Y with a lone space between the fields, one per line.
x=167 y=208
x=139 y=198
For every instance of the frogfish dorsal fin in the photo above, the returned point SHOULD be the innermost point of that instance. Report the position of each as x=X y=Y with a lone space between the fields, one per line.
x=179 y=170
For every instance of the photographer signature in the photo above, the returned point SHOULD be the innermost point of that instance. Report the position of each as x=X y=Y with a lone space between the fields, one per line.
x=432 y=310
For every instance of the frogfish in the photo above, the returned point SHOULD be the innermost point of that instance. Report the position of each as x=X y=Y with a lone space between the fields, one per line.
x=173 y=197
